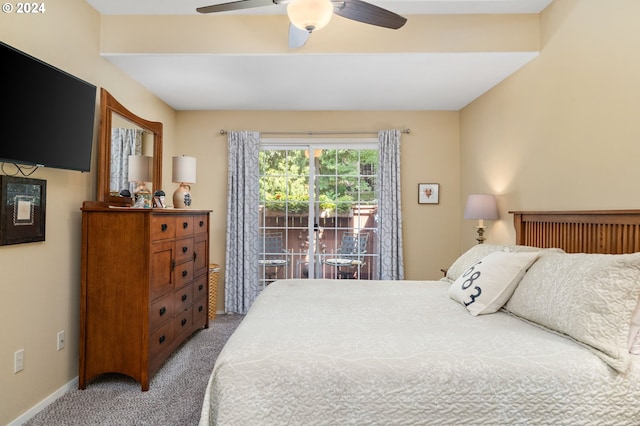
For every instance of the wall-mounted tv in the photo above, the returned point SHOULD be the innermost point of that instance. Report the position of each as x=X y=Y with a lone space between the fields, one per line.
x=48 y=117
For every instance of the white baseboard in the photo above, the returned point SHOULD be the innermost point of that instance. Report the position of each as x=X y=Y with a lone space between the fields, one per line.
x=30 y=413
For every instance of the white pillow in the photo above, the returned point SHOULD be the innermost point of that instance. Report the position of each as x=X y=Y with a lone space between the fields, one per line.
x=469 y=258
x=589 y=297
x=477 y=252
x=487 y=285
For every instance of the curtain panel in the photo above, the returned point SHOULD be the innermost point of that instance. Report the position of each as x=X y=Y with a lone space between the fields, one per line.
x=391 y=261
x=241 y=265
x=124 y=142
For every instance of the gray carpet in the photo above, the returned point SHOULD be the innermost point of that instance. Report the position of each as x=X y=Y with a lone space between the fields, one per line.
x=175 y=393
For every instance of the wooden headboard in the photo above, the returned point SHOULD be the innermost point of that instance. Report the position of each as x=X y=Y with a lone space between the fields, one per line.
x=587 y=231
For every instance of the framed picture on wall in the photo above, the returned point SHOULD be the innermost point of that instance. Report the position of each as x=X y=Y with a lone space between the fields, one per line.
x=22 y=213
x=428 y=193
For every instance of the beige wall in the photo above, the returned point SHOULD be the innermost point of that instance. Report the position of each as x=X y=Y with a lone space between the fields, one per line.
x=40 y=282
x=429 y=155
x=564 y=131
x=241 y=34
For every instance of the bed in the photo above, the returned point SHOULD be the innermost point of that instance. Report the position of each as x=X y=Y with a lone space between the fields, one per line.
x=540 y=332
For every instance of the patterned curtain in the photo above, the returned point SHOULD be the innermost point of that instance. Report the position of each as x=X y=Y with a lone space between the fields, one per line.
x=391 y=264
x=241 y=266
x=124 y=142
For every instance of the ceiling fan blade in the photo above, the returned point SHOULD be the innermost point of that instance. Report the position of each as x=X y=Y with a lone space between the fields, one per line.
x=234 y=5
x=297 y=37
x=358 y=10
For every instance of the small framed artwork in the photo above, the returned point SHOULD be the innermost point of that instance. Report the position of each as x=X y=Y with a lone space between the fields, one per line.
x=22 y=213
x=428 y=193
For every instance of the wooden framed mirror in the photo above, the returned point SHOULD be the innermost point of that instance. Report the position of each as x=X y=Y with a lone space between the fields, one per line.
x=113 y=112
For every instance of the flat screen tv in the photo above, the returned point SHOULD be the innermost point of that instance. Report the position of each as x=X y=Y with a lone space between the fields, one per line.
x=48 y=117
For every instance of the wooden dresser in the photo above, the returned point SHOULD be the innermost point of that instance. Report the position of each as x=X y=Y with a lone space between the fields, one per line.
x=143 y=289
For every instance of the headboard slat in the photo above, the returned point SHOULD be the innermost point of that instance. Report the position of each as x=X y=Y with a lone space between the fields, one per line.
x=587 y=231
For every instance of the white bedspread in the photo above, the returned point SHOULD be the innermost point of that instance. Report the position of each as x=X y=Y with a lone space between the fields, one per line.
x=343 y=352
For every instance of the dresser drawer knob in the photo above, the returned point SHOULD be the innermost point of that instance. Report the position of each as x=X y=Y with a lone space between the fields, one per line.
x=163 y=311
x=185 y=225
x=184 y=249
x=183 y=322
x=162 y=339
x=184 y=273
x=200 y=287
x=200 y=308
x=164 y=227
x=201 y=223
x=184 y=297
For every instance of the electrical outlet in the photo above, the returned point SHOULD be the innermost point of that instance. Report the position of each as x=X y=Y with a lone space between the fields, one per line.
x=60 y=340
x=18 y=361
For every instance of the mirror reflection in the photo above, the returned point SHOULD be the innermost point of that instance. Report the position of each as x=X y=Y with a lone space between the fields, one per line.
x=127 y=139
x=124 y=134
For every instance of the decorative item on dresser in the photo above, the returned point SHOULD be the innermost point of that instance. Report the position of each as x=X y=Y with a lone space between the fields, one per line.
x=184 y=173
x=143 y=287
x=140 y=172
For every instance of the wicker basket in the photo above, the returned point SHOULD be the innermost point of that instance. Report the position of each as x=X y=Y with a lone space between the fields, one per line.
x=214 y=270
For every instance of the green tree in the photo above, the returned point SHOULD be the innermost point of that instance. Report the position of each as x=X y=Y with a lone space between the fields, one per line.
x=342 y=176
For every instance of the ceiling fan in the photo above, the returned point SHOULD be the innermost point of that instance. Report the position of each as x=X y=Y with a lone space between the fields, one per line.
x=307 y=16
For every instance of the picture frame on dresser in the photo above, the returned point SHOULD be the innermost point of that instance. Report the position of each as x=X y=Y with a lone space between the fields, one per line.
x=23 y=208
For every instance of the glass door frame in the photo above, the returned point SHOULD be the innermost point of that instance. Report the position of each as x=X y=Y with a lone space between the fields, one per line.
x=310 y=145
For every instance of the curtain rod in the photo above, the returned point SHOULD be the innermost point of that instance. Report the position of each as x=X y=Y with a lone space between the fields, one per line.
x=330 y=132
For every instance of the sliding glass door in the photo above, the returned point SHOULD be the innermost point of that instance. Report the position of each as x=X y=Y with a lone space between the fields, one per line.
x=318 y=211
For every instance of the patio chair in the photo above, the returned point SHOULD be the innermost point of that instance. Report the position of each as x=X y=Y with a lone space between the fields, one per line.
x=273 y=255
x=350 y=255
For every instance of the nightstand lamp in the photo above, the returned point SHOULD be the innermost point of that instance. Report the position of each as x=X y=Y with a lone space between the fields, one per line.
x=184 y=173
x=139 y=171
x=481 y=207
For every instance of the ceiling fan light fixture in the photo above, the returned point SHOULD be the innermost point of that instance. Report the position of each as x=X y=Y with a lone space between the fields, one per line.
x=310 y=15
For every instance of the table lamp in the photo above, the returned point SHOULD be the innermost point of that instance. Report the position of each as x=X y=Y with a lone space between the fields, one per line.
x=481 y=207
x=184 y=173
x=139 y=171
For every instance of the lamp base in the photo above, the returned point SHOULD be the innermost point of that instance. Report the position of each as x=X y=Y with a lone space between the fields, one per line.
x=481 y=237
x=142 y=196
x=182 y=197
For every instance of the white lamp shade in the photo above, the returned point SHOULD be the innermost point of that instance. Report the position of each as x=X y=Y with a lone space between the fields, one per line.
x=481 y=206
x=184 y=170
x=140 y=168
x=310 y=15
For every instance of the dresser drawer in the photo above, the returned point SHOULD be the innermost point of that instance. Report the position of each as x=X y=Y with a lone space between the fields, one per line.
x=183 y=322
x=161 y=311
x=199 y=287
x=200 y=312
x=200 y=224
x=163 y=227
x=161 y=339
x=183 y=273
x=184 y=226
x=184 y=249
x=183 y=298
